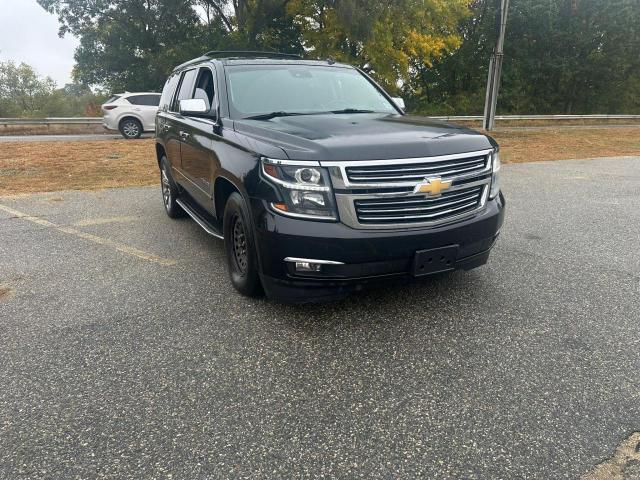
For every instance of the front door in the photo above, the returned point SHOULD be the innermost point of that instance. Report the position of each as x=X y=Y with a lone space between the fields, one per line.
x=200 y=142
x=172 y=123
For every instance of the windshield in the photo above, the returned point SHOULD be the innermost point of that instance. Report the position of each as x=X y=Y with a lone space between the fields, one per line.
x=263 y=89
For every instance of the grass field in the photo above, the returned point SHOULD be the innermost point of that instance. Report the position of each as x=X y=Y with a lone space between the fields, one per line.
x=27 y=167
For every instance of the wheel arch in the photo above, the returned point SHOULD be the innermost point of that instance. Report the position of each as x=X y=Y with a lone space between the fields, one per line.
x=222 y=190
x=126 y=116
x=160 y=152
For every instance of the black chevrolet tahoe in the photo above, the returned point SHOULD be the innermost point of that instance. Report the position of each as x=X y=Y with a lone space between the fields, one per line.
x=317 y=180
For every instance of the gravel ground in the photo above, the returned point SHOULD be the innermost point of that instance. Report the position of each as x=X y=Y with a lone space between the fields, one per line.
x=125 y=353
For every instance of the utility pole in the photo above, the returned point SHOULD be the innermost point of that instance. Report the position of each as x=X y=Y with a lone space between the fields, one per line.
x=495 y=69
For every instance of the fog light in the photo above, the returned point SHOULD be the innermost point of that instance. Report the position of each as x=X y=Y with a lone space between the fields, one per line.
x=308 y=267
x=311 y=266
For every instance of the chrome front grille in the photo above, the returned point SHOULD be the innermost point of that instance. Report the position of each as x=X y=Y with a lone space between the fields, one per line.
x=418 y=209
x=379 y=194
x=416 y=172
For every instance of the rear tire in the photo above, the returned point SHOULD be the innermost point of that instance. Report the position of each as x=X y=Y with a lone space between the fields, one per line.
x=169 y=191
x=130 y=128
x=239 y=243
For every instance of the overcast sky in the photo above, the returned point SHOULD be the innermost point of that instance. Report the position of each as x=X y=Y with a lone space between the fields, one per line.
x=29 y=34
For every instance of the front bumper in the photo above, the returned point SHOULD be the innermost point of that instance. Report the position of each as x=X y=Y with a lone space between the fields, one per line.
x=368 y=256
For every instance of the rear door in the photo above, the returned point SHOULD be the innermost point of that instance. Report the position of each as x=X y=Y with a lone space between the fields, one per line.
x=146 y=107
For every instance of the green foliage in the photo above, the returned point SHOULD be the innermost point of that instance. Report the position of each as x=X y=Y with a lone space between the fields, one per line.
x=561 y=56
x=390 y=39
x=132 y=45
x=24 y=94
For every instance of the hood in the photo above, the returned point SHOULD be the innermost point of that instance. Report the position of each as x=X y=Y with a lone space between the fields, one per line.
x=362 y=136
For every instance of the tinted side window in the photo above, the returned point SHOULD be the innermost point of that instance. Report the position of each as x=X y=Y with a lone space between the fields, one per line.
x=168 y=91
x=136 y=100
x=186 y=87
x=148 y=100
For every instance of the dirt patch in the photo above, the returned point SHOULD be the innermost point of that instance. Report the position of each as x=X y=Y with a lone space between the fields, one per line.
x=6 y=292
x=623 y=465
x=554 y=123
x=27 y=167
x=52 y=129
x=559 y=144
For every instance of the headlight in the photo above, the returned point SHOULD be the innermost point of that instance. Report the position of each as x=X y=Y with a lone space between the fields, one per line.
x=495 y=177
x=306 y=190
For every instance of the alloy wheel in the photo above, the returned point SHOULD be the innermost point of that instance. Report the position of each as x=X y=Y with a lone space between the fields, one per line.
x=166 y=189
x=130 y=129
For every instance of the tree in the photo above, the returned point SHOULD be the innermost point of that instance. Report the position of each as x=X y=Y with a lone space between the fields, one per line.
x=391 y=39
x=22 y=92
x=134 y=44
x=572 y=56
x=131 y=44
x=561 y=56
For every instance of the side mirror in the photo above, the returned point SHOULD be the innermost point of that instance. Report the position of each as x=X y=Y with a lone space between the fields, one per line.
x=399 y=102
x=193 y=106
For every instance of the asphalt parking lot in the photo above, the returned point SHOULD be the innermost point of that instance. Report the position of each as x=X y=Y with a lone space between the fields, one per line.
x=125 y=352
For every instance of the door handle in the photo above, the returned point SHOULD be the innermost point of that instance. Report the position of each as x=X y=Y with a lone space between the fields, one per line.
x=184 y=135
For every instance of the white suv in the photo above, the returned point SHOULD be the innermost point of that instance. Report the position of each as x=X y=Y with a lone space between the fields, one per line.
x=131 y=113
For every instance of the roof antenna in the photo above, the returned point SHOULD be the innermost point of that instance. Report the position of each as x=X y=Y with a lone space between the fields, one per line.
x=330 y=61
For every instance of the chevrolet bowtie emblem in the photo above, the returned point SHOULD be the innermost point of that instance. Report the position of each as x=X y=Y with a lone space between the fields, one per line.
x=432 y=186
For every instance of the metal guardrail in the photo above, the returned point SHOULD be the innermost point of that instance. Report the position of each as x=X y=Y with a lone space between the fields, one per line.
x=52 y=121
x=98 y=120
x=542 y=117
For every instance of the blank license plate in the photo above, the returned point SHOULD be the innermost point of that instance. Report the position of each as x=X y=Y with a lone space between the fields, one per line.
x=434 y=260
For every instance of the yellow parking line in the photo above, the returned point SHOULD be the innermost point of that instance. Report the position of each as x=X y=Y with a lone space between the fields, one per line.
x=103 y=221
x=121 y=247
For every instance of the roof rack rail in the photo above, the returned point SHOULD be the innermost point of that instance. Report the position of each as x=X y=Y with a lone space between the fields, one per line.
x=248 y=53
x=189 y=62
x=238 y=54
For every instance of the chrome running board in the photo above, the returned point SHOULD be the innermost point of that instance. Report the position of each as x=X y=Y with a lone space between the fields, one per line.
x=200 y=220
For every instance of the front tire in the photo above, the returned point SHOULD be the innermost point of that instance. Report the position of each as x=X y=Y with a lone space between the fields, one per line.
x=239 y=242
x=169 y=191
x=130 y=128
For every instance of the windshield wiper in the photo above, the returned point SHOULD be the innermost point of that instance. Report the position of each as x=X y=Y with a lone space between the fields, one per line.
x=352 y=110
x=267 y=116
